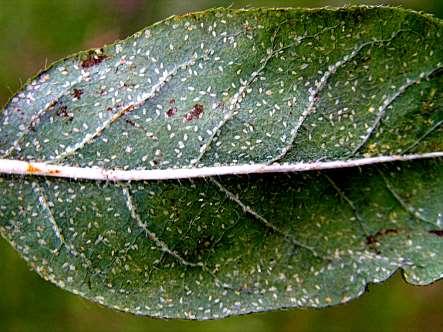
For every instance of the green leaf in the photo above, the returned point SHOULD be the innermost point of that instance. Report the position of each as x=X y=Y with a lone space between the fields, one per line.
x=217 y=92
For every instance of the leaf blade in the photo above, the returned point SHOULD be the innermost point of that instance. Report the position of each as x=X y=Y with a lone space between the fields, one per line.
x=185 y=94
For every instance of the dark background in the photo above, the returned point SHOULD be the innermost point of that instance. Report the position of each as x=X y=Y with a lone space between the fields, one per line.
x=34 y=33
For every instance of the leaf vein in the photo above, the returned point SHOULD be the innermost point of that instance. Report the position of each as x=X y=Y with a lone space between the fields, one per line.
x=408 y=208
x=248 y=210
x=241 y=94
x=388 y=102
x=318 y=88
x=348 y=201
x=151 y=235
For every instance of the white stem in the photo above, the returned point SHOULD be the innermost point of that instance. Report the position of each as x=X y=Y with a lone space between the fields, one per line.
x=19 y=167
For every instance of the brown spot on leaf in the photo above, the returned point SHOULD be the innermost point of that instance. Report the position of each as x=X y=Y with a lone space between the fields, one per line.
x=63 y=112
x=437 y=232
x=374 y=239
x=93 y=59
x=130 y=122
x=77 y=93
x=370 y=240
x=171 y=112
x=196 y=113
x=197 y=110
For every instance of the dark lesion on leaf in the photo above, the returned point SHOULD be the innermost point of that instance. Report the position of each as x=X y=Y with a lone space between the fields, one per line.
x=93 y=58
x=439 y=233
x=171 y=112
x=130 y=122
x=157 y=161
x=196 y=113
x=77 y=93
x=62 y=112
x=172 y=109
x=373 y=240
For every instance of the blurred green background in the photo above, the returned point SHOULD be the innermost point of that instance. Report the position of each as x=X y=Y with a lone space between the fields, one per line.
x=34 y=33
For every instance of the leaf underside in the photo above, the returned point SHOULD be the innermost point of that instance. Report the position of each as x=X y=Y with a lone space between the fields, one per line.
x=227 y=87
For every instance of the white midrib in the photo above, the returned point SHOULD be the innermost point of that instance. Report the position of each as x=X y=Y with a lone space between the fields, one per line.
x=19 y=167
